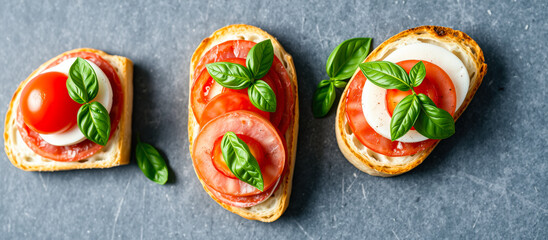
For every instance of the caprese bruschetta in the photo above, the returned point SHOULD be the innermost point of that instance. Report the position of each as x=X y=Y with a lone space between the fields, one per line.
x=73 y=112
x=405 y=97
x=243 y=121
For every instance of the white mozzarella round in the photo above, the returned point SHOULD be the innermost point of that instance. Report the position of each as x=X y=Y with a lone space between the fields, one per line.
x=373 y=97
x=104 y=96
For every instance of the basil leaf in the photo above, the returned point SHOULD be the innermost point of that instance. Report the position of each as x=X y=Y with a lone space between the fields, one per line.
x=94 y=122
x=240 y=161
x=417 y=74
x=230 y=75
x=262 y=96
x=324 y=83
x=323 y=100
x=344 y=60
x=151 y=163
x=405 y=115
x=82 y=84
x=340 y=83
x=259 y=58
x=433 y=122
x=386 y=75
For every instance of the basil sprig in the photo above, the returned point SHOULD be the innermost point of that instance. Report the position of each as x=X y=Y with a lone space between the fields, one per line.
x=240 y=161
x=415 y=110
x=340 y=66
x=151 y=163
x=235 y=76
x=93 y=118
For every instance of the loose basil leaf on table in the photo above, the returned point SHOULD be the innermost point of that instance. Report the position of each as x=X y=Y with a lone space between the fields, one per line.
x=417 y=74
x=404 y=116
x=240 y=161
x=386 y=75
x=94 y=122
x=262 y=96
x=433 y=122
x=151 y=163
x=259 y=59
x=324 y=97
x=344 y=60
x=230 y=75
x=82 y=84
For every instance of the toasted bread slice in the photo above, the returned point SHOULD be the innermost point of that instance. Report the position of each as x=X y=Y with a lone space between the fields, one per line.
x=272 y=208
x=457 y=42
x=115 y=153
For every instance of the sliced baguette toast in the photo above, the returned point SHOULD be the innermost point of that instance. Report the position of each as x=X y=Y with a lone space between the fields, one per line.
x=273 y=207
x=115 y=153
x=457 y=42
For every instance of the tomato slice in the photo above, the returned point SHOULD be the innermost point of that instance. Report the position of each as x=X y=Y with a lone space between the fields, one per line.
x=248 y=201
x=223 y=51
x=242 y=123
x=85 y=148
x=374 y=141
x=228 y=102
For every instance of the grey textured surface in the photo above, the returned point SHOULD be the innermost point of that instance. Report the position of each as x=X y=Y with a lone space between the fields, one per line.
x=487 y=181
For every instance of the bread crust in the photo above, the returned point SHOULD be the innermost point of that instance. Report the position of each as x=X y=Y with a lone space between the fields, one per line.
x=274 y=207
x=455 y=41
x=115 y=153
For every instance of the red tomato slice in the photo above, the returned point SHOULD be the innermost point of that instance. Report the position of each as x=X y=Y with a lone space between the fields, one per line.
x=242 y=123
x=228 y=102
x=242 y=202
x=86 y=148
x=223 y=51
x=374 y=141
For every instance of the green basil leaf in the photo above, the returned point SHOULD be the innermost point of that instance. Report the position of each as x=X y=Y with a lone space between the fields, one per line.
x=259 y=58
x=386 y=75
x=417 y=74
x=433 y=122
x=323 y=100
x=405 y=115
x=324 y=83
x=151 y=163
x=82 y=84
x=94 y=122
x=344 y=60
x=230 y=75
x=340 y=83
x=262 y=96
x=240 y=161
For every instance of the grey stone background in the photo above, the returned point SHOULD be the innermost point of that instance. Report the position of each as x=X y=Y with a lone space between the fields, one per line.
x=488 y=181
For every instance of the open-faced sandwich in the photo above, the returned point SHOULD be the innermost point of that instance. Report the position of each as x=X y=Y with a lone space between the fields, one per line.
x=243 y=121
x=73 y=112
x=406 y=96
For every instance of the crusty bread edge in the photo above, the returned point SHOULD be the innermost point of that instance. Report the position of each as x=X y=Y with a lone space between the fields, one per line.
x=124 y=69
x=443 y=34
x=239 y=31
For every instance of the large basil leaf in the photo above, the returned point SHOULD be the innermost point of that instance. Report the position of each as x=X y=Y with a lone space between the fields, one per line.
x=386 y=75
x=404 y=116
x=82 y=82
x=151 y=163
x=417 y=74
x=259 y=58
x=324 y=97
x=344 y=60
x=240 y=161
x=433 y=122
x=262 y=96
x=94 y=122
x=230 y=75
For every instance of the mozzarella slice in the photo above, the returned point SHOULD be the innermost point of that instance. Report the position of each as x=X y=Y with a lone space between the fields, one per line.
x=373 y=97
x=104 y=96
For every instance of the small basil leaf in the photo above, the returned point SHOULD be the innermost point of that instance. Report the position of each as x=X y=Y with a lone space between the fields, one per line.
x=151 y=163
x=433 y=122
x=82 y=84
x=405 y=115
x=386 y=75
x=262 y=96
x=324 y=83
x=344 y=60
x=259 y=58
x=340 y=83
x=94 y=122
x=230 y=75
x=240 y=161
x=323 y=100
x=417 y=74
